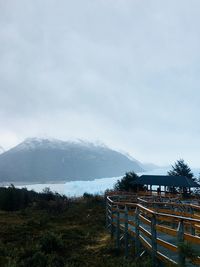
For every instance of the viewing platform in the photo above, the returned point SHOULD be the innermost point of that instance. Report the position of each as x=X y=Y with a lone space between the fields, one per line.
x=165 y=226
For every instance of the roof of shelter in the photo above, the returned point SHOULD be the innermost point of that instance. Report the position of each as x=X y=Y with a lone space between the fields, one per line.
x=166 y=180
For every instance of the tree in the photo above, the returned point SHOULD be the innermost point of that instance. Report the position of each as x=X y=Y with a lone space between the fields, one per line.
x=128 y=183
x=180 y=168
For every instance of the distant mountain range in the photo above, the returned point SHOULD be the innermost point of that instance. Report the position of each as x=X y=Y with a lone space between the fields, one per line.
x=45 y=160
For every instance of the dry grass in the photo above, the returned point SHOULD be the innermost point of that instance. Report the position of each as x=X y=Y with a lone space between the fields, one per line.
x=79 y=230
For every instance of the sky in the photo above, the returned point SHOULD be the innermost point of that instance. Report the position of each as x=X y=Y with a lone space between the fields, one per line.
x=121 y=72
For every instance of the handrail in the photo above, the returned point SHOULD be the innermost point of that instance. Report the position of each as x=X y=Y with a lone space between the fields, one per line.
x=154 y=212
x=138 y=211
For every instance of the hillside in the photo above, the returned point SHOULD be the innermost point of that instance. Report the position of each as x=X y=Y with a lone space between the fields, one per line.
x=42 y=160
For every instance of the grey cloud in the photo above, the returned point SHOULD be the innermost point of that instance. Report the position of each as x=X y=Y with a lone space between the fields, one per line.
x=123 y=72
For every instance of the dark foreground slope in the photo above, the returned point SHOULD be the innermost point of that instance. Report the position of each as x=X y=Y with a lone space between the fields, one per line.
x=43 y=160
x=58 y=232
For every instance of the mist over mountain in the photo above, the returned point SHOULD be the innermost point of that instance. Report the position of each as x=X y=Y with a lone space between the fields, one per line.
x=150 y=166
x=1 y=150
x=44 y=160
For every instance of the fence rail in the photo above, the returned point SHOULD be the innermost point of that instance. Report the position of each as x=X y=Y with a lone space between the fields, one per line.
x=158 y=226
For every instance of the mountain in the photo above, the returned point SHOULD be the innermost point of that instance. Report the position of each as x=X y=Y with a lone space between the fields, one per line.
x=149 y=166
x=44 y=160
x=1 y=150
x=145 y=166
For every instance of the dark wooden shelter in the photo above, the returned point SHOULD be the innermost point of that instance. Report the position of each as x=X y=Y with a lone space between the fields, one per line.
x=169 y=182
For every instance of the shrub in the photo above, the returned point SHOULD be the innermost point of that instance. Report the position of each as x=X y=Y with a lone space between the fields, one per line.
x=87 y=196
x=12 y=199
x=38 y=259
x=50 y=242
x=188 y=251
x=56 y=261
x=128 y=183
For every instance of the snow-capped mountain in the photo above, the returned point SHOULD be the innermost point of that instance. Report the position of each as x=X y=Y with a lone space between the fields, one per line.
x=41 y=160
x=52 y=143
x=1 y=150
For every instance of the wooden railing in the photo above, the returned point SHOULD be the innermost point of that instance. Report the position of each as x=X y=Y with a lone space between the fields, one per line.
x=160 y=228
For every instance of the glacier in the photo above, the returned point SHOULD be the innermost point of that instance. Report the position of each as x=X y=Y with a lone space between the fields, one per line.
x=96 y=186
x=76 y=188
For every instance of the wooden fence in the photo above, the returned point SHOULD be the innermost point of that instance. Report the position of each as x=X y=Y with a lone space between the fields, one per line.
x=167 y=230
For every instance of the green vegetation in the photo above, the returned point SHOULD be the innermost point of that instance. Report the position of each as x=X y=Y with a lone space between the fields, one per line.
x=127 y=183
x=188 y=250
x=180 y=168
x=49 y=230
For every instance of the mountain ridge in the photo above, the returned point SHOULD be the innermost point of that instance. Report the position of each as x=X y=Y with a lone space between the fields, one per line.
x=42 y=160
x=1 y=150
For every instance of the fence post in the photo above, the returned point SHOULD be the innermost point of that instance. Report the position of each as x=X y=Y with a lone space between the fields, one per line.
x=154 y=240
x=174 y=225
x=180 y=239
x=137 y=241
x=111 y=222
x=118 y=229
x=192 y=230
x=107 y=213
x=126 y=231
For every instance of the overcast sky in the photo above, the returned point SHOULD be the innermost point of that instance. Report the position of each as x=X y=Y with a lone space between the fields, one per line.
x=122 y=72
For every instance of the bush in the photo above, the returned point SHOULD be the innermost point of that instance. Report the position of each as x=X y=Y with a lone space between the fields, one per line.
x=188 y=251
x=50 y=242
x=41 y=222
x=37 y=260
x=93 y=200
x=87 y=196
x=56 y=261
x=128 y=183
x=12 y=199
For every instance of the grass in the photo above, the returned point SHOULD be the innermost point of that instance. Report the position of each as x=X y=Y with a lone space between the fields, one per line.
x=42 y=236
